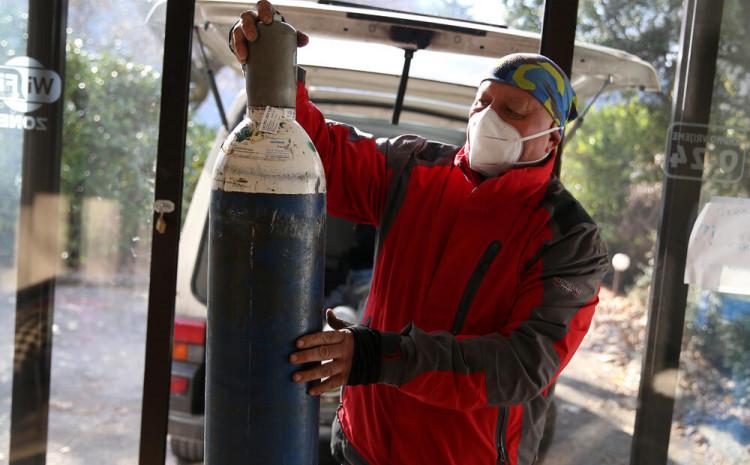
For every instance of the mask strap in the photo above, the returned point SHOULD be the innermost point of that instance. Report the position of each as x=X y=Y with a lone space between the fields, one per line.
x=539 y=134
x=541 y=161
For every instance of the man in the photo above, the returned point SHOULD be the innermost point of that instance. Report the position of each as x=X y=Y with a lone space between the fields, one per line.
x=486 y=275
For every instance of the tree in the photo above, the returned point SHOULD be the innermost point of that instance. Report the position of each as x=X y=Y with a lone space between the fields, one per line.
x=110 y=136
x=12 y=43
x=110 y=133
x=648 y=29
x=613 y=164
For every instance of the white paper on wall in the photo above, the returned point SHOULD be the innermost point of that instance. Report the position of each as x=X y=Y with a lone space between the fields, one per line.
x=718 y=255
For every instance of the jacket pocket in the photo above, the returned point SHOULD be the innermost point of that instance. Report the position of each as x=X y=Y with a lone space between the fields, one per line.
x=473 y=285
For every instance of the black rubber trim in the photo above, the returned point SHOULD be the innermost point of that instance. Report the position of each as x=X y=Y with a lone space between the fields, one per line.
x=391 y=10
x=473 y=285
x=420 y=24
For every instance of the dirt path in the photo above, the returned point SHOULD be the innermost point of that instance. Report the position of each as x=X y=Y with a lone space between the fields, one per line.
x=594 y=422
x=97 y=378
x=596 y=400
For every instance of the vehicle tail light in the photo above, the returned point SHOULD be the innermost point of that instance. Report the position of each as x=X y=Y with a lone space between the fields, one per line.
x=190 y=331
x=178 y=385
x=189 y=340
x=180 y=351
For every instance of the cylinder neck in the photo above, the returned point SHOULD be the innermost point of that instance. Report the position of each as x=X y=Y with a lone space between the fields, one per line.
x=271 y=71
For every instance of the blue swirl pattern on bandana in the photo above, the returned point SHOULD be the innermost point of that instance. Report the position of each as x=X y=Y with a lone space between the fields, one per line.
x=541 y=77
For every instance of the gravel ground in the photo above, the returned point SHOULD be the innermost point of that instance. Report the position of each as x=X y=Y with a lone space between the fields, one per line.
x=97 y=375
x=597 y=397
x=97 y=372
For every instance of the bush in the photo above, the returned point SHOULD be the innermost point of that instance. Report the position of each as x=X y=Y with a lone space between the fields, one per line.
x=110 y=135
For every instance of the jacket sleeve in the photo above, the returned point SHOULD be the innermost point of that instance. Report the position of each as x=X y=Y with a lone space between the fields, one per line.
x=354 y=164
x=551 y=315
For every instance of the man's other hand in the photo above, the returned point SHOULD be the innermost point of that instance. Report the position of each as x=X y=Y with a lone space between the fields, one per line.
x=336 y=347
x=247 y=31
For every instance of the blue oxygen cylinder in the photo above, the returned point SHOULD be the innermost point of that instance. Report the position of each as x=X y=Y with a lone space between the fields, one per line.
x=265 y=270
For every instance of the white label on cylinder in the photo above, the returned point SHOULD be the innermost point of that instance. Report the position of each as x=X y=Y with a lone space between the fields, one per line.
x=271 y=120
x=273 y=148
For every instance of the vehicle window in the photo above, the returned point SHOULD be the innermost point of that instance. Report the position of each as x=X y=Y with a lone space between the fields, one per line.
x=480 y=11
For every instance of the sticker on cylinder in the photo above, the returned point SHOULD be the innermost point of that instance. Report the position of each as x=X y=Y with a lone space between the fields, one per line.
x=272 y=148
x=271 y=120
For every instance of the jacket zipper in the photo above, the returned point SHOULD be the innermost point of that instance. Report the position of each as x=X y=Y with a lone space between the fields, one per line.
x=472 y=286
x=502 y=424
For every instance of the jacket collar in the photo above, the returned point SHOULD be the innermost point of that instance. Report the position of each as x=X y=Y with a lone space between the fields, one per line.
x=523 y=184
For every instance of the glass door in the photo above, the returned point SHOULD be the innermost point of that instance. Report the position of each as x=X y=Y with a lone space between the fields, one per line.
x=13 y=44
x=77 y=174
x=711 y=421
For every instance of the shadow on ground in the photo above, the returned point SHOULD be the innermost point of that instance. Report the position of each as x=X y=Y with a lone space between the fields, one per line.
x=589 y=436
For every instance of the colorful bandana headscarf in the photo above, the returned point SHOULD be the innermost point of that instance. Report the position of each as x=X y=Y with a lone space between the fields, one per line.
x=541 y=77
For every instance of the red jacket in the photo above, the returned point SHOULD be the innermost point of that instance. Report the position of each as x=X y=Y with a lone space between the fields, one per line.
x=483 y=291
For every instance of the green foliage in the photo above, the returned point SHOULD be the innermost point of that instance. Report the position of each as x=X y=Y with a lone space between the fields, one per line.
x=525 y=14
x=731 y=95
x=611 y=165
x=109 y=141
x=110 y=134
x=13 y=23
x=724 y=343
x=648 y=29
x=613 y=153
x=10 y=187
x=110 y=137
x=613 y=168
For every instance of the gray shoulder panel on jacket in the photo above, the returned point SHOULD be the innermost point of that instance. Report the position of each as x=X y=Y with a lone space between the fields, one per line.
x=402 y=153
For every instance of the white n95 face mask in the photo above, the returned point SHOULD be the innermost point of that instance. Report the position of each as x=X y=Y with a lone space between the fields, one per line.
x=494 y=145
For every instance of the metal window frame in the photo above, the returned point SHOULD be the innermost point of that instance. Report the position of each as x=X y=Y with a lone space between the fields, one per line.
x=693 y=92
x=35 y=295
x=170 y=162
x=558 y=43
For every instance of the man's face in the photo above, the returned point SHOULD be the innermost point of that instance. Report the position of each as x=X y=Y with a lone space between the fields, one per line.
x=521 y=110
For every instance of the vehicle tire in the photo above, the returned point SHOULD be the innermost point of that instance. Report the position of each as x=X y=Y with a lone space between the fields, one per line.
x=549 y=432
x=186 y=450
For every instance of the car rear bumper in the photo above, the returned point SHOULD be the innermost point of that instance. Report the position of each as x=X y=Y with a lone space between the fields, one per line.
x=186 y=426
